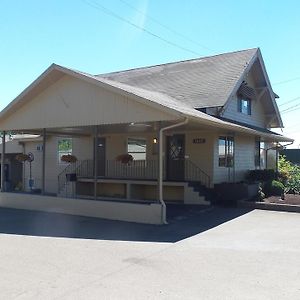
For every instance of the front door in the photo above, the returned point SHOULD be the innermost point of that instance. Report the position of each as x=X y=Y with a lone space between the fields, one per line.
x=101 y=159
x=175 y=157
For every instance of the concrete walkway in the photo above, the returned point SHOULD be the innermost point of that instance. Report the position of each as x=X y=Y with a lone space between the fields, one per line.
x=202 y=254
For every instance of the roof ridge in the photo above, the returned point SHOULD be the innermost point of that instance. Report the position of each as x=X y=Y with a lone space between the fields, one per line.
x=174 y=62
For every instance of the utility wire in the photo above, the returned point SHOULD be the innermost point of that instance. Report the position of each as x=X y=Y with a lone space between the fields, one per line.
x=286 y=81
x=294 y=99
x=109 y=12
x=291 y=107
x=288 y=111
x=165 y=26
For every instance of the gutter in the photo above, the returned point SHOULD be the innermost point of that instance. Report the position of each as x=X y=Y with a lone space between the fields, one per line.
x=160 y=161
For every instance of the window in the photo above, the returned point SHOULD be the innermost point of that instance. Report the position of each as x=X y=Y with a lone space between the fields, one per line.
x=137 y=148
x=226 y=151
x=244 y=106
x=257 y=154
x=64 y=147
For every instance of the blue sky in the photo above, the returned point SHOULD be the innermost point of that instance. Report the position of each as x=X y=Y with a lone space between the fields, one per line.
x=79 y=34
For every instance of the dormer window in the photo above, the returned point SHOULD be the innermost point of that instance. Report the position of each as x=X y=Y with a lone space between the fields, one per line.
x=244 y=106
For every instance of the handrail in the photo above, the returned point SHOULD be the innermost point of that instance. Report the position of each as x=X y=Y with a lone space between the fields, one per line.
x=71 y=168
x=194 y=173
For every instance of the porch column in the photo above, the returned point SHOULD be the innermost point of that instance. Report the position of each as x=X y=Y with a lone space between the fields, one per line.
x=3 y=162
x=44 y=162
x=95 y=160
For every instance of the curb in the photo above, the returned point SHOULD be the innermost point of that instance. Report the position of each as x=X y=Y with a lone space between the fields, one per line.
x=269 y=206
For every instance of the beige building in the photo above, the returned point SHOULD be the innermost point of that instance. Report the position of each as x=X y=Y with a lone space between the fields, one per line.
x=187 y=125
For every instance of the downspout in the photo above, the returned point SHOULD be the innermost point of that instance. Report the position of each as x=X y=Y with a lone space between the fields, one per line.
x=160 y=163
x=23 y=166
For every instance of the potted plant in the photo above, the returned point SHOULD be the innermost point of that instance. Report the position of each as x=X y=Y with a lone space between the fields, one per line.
x=125 y=158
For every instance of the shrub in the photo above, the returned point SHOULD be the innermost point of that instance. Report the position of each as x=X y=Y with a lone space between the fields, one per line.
x=289 y=175
x=274 y=188
x=261 y=175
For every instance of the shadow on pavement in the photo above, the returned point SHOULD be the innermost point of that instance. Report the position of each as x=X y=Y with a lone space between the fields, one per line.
x=183 y=222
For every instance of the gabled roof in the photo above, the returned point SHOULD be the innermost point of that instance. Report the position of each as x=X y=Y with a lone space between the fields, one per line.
x=154 y=99
x=203 y=82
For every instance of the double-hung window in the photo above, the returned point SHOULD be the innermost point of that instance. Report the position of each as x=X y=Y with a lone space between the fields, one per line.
x=244 y=106
x=226 y=151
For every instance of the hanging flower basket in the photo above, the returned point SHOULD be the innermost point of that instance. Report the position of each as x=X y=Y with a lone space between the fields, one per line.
x=68 y=158
x=22 y=157
x=124 y=158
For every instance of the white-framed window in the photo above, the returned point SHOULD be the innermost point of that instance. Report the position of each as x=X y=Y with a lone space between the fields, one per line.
x=64 y=147
x=137 y=147
x=244 y=106
x=226 y=151
x=257 y=154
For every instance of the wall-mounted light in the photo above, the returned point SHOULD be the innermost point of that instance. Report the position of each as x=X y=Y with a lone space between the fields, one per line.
x=155 y=146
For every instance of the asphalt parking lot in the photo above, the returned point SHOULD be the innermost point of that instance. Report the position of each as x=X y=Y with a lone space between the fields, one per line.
x=203 y=253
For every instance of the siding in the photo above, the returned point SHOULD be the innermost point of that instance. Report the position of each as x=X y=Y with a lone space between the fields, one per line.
x=257 y=117
x=53 y=167
x=74 y=102
x=243 y=160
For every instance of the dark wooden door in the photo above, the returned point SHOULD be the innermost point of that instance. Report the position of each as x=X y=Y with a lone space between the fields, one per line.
x=101 y=156
x=175 y=157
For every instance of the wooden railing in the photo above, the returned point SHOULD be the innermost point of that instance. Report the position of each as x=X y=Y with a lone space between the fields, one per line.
x=137 y=169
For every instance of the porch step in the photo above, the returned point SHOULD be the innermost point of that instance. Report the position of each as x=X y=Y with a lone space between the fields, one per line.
x=202 y=190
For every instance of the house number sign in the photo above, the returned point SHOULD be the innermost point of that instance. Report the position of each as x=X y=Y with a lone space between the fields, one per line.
x=198 y=141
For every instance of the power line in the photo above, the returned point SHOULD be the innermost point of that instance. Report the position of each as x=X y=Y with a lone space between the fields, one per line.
x=286 y=81
x=107 y=11
x=294 y=99
x=291 y=107
x=288 y=111
x=165 y=26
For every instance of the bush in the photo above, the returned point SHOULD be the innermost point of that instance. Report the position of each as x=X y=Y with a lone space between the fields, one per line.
x=274 y=188
x=289 y=175
x=261 y=175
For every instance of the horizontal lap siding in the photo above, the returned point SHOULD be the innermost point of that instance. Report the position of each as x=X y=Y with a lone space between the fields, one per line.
x=74 y=102
x=53 y=167
x=244 y=156
x=243 y=160
x=257 y=117
x=201 y=154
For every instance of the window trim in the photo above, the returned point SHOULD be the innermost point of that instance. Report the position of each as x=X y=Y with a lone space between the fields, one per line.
x=249 y=106
x=137 y=152
x=229 y=158
x=61 y=153
x=257 y=154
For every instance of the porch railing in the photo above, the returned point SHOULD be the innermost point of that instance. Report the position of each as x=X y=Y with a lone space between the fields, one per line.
x=138 y=169
x=194 y=173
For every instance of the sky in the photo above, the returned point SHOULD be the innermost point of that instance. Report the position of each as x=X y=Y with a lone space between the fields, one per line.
x=99 y=36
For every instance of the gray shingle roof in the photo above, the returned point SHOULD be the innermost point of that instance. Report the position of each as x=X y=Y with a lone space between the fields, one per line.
x=203 y=82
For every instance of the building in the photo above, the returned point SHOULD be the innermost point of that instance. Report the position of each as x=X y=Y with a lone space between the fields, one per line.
x=188 y=125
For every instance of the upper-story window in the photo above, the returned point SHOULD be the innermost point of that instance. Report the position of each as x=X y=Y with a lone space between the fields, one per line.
x=244 y=106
